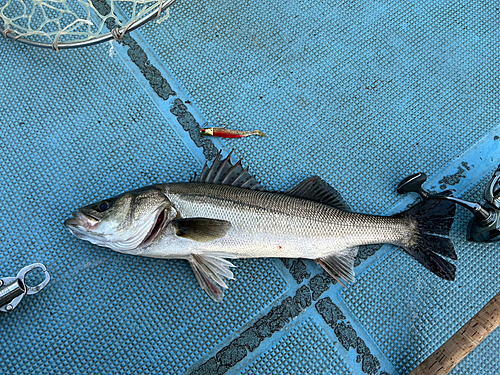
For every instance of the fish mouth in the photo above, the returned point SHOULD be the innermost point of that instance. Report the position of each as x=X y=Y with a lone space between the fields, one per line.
x=81 y=220
x=159 y=224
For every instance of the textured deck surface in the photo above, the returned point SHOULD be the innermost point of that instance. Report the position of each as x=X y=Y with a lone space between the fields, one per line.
x=361 y=93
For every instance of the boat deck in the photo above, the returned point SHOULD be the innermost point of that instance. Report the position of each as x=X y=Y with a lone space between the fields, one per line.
x=360 y=93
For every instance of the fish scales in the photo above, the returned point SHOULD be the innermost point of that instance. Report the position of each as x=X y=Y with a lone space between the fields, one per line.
x=264 y=223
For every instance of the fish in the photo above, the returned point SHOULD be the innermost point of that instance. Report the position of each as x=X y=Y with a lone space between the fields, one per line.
x=229 y=133
x=224 y=213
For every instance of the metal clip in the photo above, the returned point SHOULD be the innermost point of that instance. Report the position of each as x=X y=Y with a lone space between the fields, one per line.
x=13 y=289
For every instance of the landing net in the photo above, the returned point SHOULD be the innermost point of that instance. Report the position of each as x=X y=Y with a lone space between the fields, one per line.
x=74 y=23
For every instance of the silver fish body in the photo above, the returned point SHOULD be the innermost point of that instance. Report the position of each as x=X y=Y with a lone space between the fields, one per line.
x=224 y=214
x=266 y=224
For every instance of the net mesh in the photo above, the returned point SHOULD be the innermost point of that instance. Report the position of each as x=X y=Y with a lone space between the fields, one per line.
x=54 y=21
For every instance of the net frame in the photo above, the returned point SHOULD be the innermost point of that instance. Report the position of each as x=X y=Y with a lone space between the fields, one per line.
x=115 y=34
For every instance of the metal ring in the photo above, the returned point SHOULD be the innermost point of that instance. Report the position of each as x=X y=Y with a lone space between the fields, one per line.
x=55 y=46
x=6 y=31
x=159 y=9
x=34 y=289
x=104 y=38
x=117 y=34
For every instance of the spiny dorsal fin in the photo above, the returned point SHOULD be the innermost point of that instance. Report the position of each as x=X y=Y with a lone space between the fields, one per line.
x=316 y=189
x=223 y=172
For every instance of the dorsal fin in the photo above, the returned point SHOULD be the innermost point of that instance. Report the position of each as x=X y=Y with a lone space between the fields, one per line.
x=223 y=172
x=316 y=189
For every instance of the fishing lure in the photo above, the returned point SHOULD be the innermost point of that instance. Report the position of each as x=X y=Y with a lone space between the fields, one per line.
x=229 y=133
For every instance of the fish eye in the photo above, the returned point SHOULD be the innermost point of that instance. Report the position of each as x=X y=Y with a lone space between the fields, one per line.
x=103 y=206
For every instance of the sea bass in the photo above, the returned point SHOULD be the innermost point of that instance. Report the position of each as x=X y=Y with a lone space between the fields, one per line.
x=224 y=213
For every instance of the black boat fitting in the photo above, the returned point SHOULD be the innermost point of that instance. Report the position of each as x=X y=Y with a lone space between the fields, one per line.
x=485 y=225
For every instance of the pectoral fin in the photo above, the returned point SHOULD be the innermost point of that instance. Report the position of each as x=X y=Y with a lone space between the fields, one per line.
x=210 y=270
x=201 y=229
x=340 y=265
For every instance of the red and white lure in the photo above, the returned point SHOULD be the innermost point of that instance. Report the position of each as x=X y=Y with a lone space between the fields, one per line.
x=229 y=133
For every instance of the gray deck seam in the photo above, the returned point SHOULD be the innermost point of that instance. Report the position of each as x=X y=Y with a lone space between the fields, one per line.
x=166 y=104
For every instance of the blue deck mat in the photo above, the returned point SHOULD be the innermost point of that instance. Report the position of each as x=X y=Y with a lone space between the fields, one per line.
x=360 y=93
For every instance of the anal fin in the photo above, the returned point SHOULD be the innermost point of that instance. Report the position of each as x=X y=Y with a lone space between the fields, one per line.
x=210 y=269
x=340 y=265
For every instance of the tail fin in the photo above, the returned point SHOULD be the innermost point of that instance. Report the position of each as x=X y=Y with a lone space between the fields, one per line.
x=259 y=132
x=434 y=218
